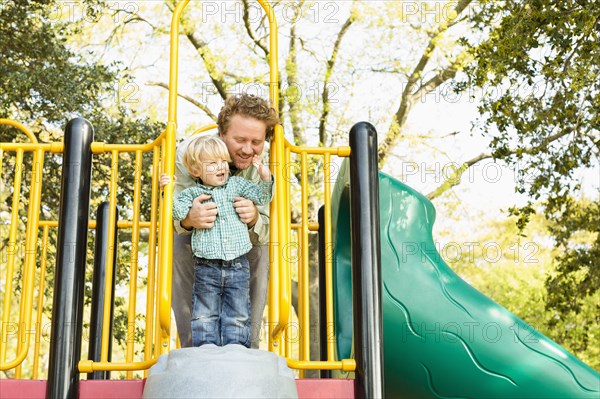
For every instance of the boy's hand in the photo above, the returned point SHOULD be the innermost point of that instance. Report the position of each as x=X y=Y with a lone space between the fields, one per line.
x=263 y=170
x=164 y=180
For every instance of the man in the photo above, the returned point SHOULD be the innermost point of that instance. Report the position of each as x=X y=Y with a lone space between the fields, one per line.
x=245 y=123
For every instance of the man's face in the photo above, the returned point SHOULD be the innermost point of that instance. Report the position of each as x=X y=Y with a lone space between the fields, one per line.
x=244 y=138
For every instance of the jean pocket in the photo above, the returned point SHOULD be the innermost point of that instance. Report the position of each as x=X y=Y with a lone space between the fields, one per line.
x=240 y=264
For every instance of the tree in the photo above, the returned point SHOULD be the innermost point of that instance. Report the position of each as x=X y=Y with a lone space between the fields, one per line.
x=543 y=59
x=512 y=267
x=573 y=288
x=42 y=79
x=44 y=84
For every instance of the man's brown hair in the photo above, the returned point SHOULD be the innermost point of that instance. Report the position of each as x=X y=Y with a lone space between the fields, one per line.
x=251 y=106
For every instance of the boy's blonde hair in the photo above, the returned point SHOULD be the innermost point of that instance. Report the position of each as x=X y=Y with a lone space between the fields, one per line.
x=204 y=148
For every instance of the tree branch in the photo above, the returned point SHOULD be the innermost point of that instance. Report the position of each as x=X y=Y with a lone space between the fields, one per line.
x=435 y=82
x=407 y=99
x=291 y=68
x=259 y=42
x=454 y=180
x=209 y=61
x=326 y=80
x=203 y=107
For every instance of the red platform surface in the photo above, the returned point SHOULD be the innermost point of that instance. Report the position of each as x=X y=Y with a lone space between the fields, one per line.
x=22 y=389
x=332 y=388
x=133 y=389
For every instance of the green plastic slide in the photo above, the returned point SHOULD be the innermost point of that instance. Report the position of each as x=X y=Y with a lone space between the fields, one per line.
x=442 y=337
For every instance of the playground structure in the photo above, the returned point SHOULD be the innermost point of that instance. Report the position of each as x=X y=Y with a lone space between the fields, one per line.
x=415 y=329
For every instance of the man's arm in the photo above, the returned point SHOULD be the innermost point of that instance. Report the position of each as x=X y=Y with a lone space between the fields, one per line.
x=256 y=217
x=182 y=203
x=260 y=193
x=259 y=232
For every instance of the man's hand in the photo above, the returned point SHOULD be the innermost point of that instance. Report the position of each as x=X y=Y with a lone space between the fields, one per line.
x=201 y=216
x=246 y=210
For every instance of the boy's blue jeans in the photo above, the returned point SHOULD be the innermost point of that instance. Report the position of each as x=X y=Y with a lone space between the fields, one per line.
x=221 y=302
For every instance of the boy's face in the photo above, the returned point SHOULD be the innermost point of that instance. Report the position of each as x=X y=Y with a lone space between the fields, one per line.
x=213 y=173
x=244 y=138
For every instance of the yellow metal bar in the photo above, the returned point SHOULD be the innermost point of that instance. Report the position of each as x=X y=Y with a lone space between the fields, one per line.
x=283 y=222
x=166 y=231
x=174 y=61
x=121 y=224
x=55 y=148
x=285 y=341
x=304 y=281
x=273 y=54
x=89 y=366
x=205 y=129
x=151 y=285
x=273 y=254
x=100 y=147
x=287 y=278
x=166 y=244
x=342 y=151
x=6 y=295
x=345 y=365
x=157 y=326
x=160 y=250
x=28 y=276
x=10 y=264
x=125 y=224
x=31 y=235
x=133 y=268
x=299 y=338
x=312 y=226
x=49 y=223
x=112 y=216
x=21 y=127
x=328 y=259
x=40 y=303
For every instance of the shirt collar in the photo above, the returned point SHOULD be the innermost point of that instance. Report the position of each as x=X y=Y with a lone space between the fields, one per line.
x=201 y=183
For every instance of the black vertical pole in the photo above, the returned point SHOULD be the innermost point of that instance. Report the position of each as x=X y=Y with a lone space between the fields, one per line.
x=366 y=261
x=322 y=293
x=99 y=288
x=69 y=278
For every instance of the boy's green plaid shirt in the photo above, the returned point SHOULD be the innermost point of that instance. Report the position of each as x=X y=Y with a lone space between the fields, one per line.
x=229 y=238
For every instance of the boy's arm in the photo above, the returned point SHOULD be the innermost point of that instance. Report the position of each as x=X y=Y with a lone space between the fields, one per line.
x=183 y=202
x=182 y=182
x=259 y=231
x=259 y=192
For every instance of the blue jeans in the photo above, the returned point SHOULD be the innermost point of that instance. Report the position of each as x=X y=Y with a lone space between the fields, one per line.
x=221 y=302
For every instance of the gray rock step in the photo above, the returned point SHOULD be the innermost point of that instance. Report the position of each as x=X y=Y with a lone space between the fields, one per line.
x=231 y=371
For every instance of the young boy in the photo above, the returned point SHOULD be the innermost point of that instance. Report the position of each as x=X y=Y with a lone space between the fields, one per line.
x=221 y=298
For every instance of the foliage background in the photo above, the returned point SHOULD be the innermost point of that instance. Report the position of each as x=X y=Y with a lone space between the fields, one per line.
x=491 y=108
